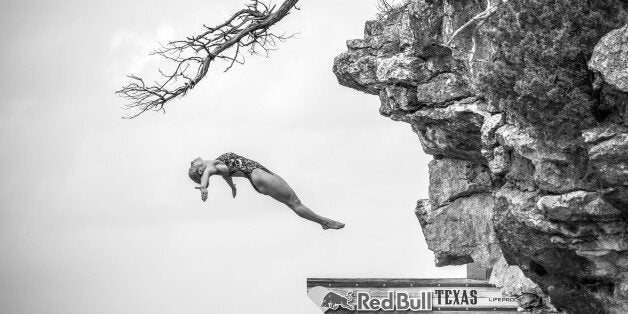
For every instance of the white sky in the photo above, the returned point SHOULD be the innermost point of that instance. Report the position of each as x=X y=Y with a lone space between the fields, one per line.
x=97 y=214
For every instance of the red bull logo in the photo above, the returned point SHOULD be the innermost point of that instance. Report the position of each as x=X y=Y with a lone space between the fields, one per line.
x=327 y=299
x=333 y=301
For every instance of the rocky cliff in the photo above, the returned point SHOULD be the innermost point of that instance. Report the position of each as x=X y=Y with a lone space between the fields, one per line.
x=524 y=106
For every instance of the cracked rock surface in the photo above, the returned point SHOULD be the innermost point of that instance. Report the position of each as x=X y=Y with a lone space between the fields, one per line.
x=548 y=216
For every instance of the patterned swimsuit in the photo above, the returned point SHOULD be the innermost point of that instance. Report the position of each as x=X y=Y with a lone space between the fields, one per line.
x=237 y=163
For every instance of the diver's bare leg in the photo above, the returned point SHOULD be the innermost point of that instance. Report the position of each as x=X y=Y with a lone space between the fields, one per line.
x=275 y=187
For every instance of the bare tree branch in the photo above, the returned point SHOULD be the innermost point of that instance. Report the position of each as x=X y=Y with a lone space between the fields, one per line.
x=388 y=7
x=245 y=30
x=478 y=19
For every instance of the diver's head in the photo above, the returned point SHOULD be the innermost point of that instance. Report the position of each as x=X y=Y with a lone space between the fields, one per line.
x=197 y=166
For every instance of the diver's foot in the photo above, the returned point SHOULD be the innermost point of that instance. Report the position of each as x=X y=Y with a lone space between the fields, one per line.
x=333 y=225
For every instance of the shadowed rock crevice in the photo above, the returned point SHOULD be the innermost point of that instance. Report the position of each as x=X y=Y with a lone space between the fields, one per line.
x=538 y=194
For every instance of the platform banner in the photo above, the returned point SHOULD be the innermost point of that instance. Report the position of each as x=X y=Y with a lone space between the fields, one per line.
x=407 y=295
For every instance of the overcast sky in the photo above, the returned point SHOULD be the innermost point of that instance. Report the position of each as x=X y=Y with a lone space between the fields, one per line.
x=97 y=214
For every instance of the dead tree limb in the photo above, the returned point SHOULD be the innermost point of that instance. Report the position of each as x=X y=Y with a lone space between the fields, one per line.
x=478 y=19
x=246 y=30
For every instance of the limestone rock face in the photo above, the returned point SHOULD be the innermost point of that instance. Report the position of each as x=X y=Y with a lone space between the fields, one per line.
x=610 y=58
x=547 y=213
x=461 y=231
x=441 y=89
x=454 y=178
x=514 y=283
x=607 y=148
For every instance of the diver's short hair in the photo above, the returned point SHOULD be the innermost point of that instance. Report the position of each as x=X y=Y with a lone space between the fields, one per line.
x=193 y=173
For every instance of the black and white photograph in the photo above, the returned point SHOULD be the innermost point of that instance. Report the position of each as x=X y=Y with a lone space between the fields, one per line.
x=303 y=157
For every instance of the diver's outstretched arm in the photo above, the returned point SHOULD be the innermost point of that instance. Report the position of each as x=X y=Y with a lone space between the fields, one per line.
x=208 y=172
x=231 y=185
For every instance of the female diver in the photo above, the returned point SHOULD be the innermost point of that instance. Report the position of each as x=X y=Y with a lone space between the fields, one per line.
x=263 y=180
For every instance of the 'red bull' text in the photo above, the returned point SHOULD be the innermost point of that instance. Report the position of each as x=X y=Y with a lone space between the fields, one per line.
x=394 y=301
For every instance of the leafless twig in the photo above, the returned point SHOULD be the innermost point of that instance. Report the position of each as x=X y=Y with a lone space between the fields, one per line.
x=246 y=30
x=478 y=19
x=388 y=7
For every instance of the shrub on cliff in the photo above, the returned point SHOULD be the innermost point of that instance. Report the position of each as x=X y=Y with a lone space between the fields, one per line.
x=540 y=74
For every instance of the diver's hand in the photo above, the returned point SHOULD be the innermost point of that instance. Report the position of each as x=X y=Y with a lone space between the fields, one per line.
x=233 y=191
x=203 y=192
